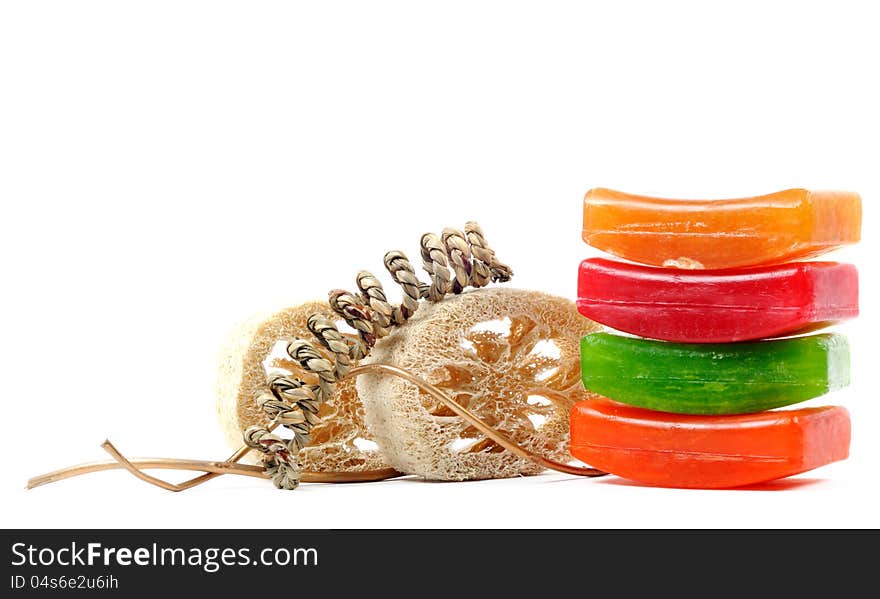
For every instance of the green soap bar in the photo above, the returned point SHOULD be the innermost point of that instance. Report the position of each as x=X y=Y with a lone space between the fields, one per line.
x=713 y=378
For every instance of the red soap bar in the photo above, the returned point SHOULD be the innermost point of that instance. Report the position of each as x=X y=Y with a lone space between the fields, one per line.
x=706 y=452
x=717 y=306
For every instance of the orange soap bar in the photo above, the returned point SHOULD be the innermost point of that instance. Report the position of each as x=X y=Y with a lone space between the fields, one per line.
x=706 y=452
x=778 y=227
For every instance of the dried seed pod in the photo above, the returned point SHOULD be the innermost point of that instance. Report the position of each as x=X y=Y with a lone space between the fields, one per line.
x=339 y=441
x=510 y=356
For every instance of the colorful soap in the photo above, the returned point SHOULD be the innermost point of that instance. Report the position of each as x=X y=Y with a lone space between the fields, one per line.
x=711 y=306
x=715 y=234
x=706 y=452
x=731 y=378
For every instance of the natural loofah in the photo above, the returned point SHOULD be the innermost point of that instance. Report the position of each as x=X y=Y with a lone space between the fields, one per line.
x=250 y=353
x=510 y=356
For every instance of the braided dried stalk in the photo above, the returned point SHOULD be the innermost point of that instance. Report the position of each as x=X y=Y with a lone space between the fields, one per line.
x=294 y=404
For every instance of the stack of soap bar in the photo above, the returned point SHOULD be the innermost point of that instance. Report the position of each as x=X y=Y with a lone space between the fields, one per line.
x=687 y=407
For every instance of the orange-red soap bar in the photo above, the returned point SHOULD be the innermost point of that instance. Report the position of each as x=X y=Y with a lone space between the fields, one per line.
x=778 y=227
x=706 y=452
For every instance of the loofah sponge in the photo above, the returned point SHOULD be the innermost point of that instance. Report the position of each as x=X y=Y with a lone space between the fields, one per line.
x=510 y=356
x=339 y=442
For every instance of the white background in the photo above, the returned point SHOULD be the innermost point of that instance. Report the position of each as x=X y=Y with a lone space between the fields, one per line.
x=168 y=168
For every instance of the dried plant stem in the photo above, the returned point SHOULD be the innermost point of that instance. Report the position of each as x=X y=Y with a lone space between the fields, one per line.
x=213 y=469
x=148 y=464
x=216 y=468
x=475 y=421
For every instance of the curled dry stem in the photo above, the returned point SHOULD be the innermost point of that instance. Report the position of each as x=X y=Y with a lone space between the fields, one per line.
x=213 y=469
